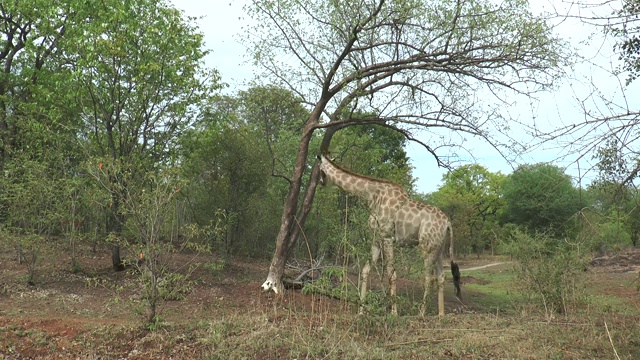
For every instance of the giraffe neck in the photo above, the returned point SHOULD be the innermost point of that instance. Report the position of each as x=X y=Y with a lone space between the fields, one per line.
x=361 y=186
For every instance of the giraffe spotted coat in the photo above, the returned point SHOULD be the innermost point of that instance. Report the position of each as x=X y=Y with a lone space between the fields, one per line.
x=397 y=220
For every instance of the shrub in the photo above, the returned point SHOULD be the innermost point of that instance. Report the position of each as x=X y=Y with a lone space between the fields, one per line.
x=549 y=271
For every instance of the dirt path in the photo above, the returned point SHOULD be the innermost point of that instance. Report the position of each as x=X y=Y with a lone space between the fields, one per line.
x=484 y=266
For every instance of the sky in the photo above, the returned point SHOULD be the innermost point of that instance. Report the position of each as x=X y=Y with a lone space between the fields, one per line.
x=222 y=21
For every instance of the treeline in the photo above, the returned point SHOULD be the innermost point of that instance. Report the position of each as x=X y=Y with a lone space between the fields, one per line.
x=488 y=208
x=111 y=132
x=113 y=129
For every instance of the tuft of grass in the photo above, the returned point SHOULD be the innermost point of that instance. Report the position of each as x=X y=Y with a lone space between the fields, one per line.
x=491 y=290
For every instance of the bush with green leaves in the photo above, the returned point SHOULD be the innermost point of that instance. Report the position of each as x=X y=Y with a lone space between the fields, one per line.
x=332 y=283
x=609 y=236
x=148 y=207
x=549 y=270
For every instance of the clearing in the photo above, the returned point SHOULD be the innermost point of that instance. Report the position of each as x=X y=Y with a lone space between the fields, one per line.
x=95 y=313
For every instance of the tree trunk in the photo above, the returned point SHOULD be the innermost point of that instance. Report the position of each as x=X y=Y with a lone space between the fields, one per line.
x=118 y=265
x=292 y=219
x=114 y=223
x=287 y=234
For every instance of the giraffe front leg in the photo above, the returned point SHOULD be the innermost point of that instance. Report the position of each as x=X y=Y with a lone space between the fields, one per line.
x=391 y=274
x=364 y=278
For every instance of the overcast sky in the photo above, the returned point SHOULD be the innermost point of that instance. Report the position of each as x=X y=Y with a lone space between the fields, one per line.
x=222 y=20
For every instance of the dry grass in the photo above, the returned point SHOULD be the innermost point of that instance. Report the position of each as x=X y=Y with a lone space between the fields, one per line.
x=225 y=316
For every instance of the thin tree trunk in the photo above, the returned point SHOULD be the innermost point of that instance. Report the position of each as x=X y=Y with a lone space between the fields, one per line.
x=114 y=224
x=118 y=264
x=286 y=239
x=292 y=219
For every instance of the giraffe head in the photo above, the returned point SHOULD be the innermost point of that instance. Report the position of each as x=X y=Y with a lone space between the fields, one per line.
x=326 y=166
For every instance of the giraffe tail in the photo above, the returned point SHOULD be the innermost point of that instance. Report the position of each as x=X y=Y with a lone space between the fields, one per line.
x=455 y=269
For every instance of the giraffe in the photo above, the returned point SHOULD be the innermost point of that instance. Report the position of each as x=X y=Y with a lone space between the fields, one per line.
x=397 y=220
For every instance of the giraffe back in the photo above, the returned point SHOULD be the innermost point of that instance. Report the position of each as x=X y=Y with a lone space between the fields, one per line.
x=409 y=221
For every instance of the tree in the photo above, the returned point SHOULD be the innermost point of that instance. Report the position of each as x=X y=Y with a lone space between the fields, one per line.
x=609 y=108
x=410 y=64
x=278 y=114
x=616 y=200
x=141 y=81
x=471 y=196
x=540 y=197
x=222 y=157
x=239 y=157
x=32 y=80
x=627 y=29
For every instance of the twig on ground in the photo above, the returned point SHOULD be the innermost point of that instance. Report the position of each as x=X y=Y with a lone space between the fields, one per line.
x=418 y=341
x=611 y=341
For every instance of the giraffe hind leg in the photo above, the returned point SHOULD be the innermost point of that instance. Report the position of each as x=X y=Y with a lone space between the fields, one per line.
x=440 y=279
x=429 y=272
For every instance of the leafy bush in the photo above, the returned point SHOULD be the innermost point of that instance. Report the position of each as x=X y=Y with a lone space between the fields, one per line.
x=549 y=271
x=332 y=284
x=609 y=236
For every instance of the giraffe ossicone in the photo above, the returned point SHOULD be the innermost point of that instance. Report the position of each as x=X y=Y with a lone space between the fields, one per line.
x=396 y=219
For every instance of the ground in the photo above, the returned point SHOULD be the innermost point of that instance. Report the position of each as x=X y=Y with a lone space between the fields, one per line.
x=95 y=313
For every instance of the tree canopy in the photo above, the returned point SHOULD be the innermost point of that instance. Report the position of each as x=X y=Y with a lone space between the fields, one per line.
x=406 y=64
x=541 y=197
x=103 y=104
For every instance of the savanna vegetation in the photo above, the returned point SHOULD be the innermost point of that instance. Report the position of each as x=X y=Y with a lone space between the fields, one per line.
x=140 y=202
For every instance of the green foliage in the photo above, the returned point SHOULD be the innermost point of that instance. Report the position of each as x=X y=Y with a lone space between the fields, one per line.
x=332 y=283
x=86 y=78
x=540 y=197
x=549 y=272
x=612 y=165
x=33 y=196
x=376 y=304
x=237 y=158
x=140 y=73
x=375 y=151
x=471 y=197
x=216 y=265
x=611 y=236
x=35 y=102
x=628 y=33
x=615 y=198
x=207 y=237
x=171 y=286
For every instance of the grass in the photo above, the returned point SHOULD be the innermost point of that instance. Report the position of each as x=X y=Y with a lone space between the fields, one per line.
x=476 y=336
x=225 y=316
x=494 y=292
